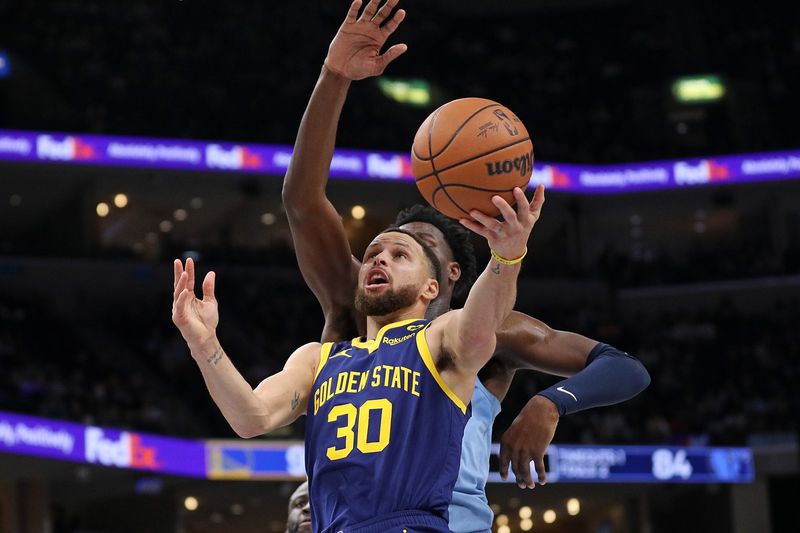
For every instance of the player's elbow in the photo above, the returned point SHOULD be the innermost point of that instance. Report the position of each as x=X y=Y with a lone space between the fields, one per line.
x=251 y=429
x=296 y=199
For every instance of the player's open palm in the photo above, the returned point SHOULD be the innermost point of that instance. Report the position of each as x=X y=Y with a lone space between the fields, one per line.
x=509 y=237
x=196 y=319
x=355 y=51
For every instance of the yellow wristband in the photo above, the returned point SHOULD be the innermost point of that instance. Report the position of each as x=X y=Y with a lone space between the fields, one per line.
x=503 y=261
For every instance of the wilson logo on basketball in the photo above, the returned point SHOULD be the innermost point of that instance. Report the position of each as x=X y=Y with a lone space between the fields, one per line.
x=522 y=164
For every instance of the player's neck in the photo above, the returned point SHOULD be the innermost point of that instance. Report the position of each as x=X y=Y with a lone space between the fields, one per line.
x=375 y=323
x=439 y=306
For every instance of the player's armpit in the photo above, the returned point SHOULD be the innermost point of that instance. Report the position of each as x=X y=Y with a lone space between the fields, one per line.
x=527 y=343
x=284 y=396
x=458 y=356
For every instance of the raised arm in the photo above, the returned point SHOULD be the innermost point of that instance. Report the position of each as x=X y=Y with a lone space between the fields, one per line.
x=319 y=237
x=467 y=337
x=276 y=402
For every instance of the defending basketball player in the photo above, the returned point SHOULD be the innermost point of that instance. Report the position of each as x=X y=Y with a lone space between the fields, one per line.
x=386 y=412
x=601 y=375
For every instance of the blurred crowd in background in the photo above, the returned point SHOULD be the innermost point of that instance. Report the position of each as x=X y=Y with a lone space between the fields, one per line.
x=594 y=83
x=723 y=375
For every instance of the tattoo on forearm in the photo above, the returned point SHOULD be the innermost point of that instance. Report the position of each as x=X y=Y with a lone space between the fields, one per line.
x=215 y=357
x=295 y=401
x=496 y=269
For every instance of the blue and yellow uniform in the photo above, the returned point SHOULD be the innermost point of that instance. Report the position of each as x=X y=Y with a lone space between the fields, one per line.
x=383 y=436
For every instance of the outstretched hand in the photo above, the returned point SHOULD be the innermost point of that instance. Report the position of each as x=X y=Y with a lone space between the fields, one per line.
x=196 y=319
x=508 y=238
x=355 y=52
x=526 y=441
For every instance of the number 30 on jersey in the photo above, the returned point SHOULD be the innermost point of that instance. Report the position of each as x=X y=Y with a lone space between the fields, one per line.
x=358 y=437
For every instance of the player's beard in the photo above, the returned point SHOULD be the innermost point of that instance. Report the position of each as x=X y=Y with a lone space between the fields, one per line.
x=386 y=302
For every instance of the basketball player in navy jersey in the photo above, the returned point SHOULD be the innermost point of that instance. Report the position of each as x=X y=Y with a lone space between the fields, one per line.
x=386 y=411
x=601 y=375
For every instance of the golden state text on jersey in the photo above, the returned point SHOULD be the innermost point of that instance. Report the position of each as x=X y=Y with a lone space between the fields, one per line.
x=383 y=433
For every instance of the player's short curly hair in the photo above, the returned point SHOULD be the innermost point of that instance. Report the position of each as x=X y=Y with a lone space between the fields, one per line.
x=457 y=237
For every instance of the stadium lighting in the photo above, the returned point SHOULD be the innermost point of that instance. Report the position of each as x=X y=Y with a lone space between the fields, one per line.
x=180 y=215
x=698 y=89
x=501 y=520
x=526 y=524
x=358 y=212
x=121 y=200
x=191 y=503
x=525 y=512
x=268 y=219
x=102 y=209
x=573 y=506
x=411 y=92
x=549 y=516
x=503 y=529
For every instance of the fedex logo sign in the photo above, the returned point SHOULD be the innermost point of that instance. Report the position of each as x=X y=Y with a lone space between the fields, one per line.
x=127 y=451
x=66 y=149
x=388 y=167
x=550 y=176
x=235 y=158
x=705 y=171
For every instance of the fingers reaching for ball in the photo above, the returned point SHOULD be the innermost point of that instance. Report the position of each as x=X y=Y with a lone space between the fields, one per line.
x=508 y=237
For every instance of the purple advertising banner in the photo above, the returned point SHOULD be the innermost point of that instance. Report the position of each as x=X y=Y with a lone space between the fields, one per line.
x=27 y=435
x=61 y=148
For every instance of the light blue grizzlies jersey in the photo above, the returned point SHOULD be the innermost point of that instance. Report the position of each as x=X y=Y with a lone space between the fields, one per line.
x=383 y=436
x=469 y=510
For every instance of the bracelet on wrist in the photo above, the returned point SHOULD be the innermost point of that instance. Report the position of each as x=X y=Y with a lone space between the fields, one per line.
x=503 y=261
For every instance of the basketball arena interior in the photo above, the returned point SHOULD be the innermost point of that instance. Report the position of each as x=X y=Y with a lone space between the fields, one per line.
x=135 y=133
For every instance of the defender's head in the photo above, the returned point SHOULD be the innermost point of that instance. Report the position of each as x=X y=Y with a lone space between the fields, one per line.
x=398 y=271
x=299 y=511
x=450 y=242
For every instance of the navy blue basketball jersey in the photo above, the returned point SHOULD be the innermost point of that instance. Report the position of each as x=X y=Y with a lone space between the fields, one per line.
x=383 y=435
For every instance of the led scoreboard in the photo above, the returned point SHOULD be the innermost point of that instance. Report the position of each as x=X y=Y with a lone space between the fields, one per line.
x=644 y=464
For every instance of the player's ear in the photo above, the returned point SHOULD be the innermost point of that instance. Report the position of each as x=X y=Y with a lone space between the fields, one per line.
x=454 y=272
x=431 y=290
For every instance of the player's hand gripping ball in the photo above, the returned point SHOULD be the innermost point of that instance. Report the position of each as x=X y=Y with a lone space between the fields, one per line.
x=467 y=151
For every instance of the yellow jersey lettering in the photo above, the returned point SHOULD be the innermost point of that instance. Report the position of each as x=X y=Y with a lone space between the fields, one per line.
x=406 y=372
x=341 y=382
x=363 y=383
x=396 y=378
x=415 y=327
x=352 y=381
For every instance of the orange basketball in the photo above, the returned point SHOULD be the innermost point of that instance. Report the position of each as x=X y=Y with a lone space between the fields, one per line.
x=467 y=151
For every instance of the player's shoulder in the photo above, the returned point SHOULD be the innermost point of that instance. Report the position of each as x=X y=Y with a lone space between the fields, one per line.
x=307 y=353
x=444 y=319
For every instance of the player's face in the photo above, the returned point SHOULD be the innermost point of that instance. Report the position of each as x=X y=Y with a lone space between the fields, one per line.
x=392 y=276
x=434 y=238
x=299 y=511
